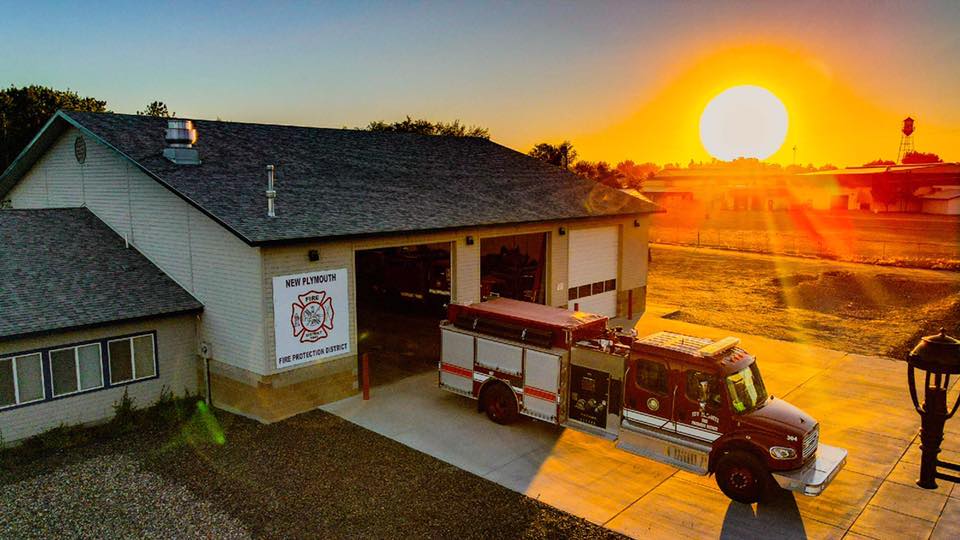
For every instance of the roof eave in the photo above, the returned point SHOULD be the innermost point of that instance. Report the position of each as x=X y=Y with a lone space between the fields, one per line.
x=98 y=324
x=22 y=165
x=407 y=232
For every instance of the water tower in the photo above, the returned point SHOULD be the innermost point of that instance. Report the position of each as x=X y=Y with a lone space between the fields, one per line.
x=906 y=138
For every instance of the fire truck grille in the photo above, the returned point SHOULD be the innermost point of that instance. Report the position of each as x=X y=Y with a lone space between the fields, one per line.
x=810 y=441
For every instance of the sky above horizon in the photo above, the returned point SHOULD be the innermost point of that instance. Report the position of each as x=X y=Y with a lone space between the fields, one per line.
x=619 y=80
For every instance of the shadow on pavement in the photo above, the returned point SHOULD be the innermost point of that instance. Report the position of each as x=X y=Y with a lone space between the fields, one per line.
x=778 y=517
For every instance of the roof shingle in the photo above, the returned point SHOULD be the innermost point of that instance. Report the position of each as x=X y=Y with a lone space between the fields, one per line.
x=64 y=268
x=344 y=182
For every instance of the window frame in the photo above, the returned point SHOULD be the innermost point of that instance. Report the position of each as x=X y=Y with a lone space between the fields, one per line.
x=76 y=364
x=46 y=367
x=16 y=379
x=666 y=377
x=688 y=373
x=133 y=359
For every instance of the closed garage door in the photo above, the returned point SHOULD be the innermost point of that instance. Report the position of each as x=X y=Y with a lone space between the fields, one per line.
x=594 y=255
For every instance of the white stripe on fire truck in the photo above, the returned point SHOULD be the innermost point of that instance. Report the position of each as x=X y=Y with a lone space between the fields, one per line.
x=661 y=423
x=480 y=377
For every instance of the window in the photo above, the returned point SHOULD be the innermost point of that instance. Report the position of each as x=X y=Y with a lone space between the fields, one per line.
x=76 y=369
x=652 y=376
x=610 y=285
x=131 y=359
x=692 y=391
x=572 y=294
x=584 y=291
x=597 y=288
x=21 y=380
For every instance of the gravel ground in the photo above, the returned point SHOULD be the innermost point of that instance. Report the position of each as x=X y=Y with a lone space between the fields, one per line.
x=312 y=476
x=108 y=497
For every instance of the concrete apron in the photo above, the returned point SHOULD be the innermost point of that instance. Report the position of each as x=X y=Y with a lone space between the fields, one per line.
x=861 y=403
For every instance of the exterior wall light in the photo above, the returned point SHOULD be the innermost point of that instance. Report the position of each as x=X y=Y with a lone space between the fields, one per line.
x=469 y=240
x=313 y=255
x=939 y=357
x=636 y=223
x=561 y=231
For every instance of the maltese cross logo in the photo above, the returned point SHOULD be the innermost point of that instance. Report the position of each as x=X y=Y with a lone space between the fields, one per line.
x=312 y=316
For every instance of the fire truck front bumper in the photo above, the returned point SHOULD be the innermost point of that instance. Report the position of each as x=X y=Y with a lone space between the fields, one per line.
x=815 y=476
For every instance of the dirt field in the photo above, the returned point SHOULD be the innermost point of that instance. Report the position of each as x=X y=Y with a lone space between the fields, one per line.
x=855 y=308
x=890 y=239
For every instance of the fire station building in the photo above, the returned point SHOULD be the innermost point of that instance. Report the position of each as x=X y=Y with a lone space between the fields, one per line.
x=140 y=252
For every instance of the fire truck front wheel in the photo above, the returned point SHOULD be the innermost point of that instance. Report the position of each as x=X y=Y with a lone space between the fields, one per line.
x=500 y=403
x=742 y=477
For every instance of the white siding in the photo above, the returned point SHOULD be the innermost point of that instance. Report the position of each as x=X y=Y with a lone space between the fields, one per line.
x=203 y=257
x=176 y=350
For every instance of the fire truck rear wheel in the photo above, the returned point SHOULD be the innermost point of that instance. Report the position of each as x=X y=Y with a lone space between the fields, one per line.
x=500 y=403
x=742 y=477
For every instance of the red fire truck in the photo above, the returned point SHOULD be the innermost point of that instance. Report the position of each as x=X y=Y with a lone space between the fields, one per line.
x=691 y=402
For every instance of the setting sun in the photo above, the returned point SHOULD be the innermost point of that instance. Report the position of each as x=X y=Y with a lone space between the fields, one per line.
x=743 y=121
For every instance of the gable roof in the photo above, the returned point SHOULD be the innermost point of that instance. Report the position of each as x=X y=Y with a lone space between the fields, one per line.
x=343 y=182
x=64 y=268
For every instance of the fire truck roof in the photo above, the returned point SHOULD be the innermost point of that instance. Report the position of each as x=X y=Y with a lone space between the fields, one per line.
x=536 y=313
x=702 y=348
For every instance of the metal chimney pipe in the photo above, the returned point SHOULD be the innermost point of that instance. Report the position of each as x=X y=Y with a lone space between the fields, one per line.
x=271 y=194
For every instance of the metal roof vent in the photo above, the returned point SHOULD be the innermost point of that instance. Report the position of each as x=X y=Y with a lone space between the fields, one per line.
x=180 y=138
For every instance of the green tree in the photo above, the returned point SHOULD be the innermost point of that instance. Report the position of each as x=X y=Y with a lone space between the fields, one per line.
x=24 y=110
x=561 y=155
x=879 y=163
x=426 y=127
x=157 y=108
x=914 y=158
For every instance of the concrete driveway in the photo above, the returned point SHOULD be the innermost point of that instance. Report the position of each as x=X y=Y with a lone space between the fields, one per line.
x=861 y=403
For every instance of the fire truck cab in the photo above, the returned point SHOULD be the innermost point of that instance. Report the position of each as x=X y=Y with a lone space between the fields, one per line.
x=691 y=402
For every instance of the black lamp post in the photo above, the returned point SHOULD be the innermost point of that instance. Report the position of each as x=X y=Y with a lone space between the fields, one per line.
x=939 y=357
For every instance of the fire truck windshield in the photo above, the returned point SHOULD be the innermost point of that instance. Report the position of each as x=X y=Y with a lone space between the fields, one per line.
x=746 y=389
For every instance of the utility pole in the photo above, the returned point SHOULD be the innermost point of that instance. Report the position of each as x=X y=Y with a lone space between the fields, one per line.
x=794 y=154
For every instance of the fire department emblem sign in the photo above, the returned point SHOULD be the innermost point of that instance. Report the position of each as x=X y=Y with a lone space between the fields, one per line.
x=311 y=317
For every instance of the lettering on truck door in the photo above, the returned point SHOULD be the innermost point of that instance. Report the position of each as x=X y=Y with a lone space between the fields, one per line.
x=649 y=396
x=703 y=424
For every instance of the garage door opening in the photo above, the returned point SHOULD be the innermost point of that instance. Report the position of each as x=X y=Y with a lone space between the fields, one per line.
x=513 y=267
x=401 y=294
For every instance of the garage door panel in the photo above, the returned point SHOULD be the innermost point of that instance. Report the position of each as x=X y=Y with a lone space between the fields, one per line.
x=594 y=258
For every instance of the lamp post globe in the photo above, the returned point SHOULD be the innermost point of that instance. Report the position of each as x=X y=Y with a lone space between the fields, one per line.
x=938 y=356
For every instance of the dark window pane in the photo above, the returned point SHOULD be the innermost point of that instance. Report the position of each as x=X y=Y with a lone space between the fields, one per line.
x=584 y=291
x=7 y=395
x=121 y=362
x=143 y=356
x=652 y=376
x=610 y=285
x=572 y=294
x=91 y=367
x=29 y=378
x=597 y=287
x=63 y=367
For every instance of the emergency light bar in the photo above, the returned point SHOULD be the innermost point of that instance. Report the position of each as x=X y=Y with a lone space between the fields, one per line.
x=719 y=346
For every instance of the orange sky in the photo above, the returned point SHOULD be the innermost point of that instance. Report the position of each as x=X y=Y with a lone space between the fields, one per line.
x=620 y=79
x=831 y=118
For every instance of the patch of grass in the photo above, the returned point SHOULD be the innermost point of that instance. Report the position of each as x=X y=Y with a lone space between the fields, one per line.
x=169 y=411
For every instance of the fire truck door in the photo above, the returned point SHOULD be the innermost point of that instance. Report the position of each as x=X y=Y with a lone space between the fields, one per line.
x=698 y=406
x=649 y=394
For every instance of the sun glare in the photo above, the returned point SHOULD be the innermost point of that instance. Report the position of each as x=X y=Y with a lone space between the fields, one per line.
x=743 y=121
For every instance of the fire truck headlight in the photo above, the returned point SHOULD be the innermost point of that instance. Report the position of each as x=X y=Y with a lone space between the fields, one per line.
x=782 y=452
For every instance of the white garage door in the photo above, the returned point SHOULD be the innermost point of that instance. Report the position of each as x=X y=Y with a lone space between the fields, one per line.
x=593 y=269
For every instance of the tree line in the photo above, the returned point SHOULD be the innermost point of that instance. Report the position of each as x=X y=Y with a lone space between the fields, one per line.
x=24 y=110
